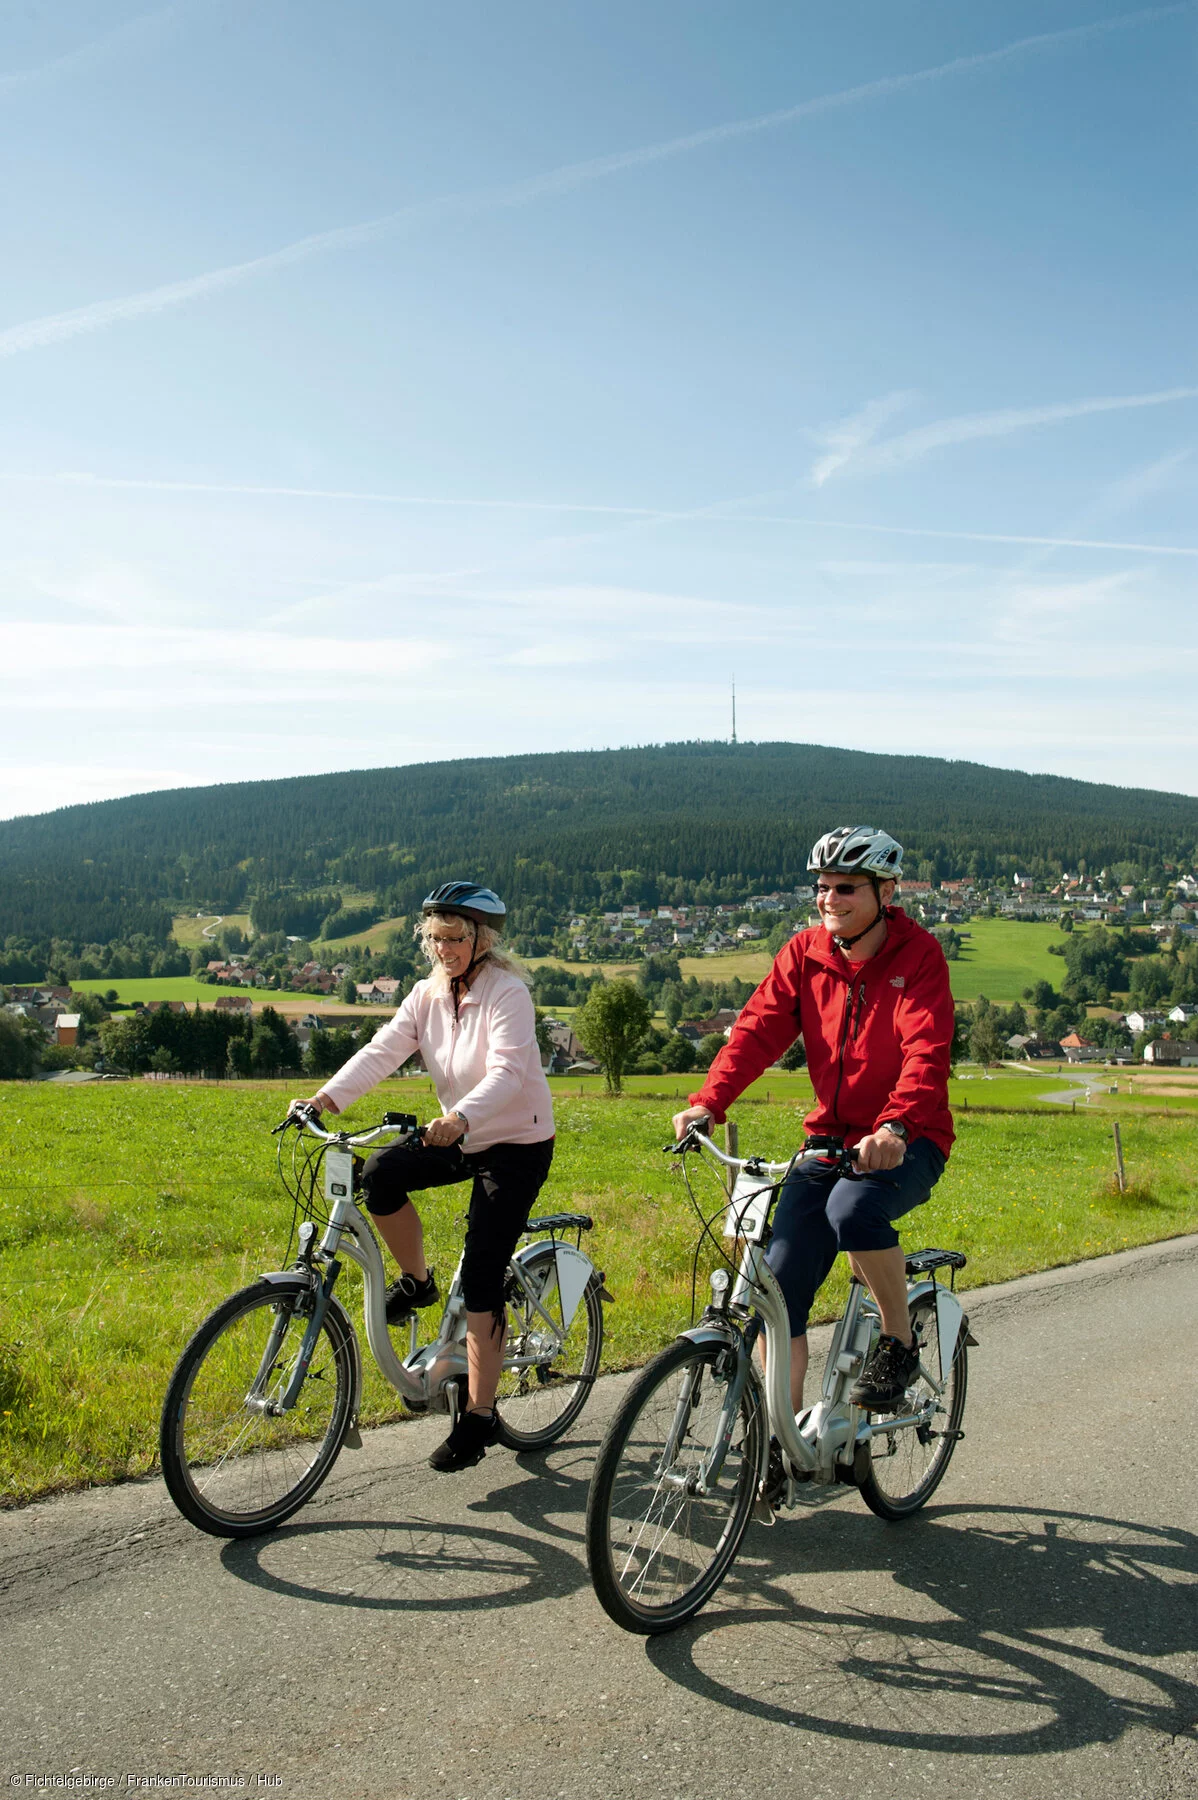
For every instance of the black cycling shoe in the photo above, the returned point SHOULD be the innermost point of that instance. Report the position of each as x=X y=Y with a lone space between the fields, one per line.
x=886 y=1376
x=406 y=1294
x=467 y=1444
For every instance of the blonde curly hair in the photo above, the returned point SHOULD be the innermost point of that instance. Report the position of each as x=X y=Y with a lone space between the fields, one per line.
x=486 y=944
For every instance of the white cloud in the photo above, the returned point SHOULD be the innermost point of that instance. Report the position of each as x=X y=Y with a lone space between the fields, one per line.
x=35 y=334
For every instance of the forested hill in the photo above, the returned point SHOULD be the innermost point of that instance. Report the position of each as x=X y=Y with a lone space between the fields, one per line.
x=555 y=831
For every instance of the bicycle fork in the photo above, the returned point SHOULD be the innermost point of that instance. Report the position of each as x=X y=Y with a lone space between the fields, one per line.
x=706 y=1477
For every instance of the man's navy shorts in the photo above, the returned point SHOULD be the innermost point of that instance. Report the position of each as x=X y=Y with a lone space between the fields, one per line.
x=821 y=1211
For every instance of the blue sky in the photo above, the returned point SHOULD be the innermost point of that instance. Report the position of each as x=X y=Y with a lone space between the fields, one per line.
x=388 y=382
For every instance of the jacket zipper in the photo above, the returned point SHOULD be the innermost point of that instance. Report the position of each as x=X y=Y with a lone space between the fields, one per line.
x=853 y=1000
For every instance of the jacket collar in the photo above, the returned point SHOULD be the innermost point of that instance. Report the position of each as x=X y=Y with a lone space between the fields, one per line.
x=822 y=947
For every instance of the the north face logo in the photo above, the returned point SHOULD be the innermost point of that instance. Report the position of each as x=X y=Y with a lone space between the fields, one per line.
x=898 y=981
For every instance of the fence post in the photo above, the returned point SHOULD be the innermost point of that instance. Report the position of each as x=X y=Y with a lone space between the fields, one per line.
x=732 y=1146
x=1120 y=1171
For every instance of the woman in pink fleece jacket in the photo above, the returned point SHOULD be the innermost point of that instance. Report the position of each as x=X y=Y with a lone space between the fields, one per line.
x=474 y=1024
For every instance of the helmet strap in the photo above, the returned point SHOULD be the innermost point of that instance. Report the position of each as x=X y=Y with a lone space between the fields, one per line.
x=846 y=943
x=461 y=983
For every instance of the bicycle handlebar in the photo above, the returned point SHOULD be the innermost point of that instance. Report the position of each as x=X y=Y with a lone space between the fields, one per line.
x=303 y=1118
x=693 y=1138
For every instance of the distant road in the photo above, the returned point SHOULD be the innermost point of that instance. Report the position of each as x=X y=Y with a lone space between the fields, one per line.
x=1033 y=1633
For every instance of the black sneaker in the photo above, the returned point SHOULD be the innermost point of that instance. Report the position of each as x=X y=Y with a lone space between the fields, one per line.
x=406 y=1294
x=885 y=1377
x=467 y=1443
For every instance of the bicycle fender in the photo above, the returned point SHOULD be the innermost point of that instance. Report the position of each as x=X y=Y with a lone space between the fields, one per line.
x=949 y=1316
x=574 y=1271
x=710 y=1334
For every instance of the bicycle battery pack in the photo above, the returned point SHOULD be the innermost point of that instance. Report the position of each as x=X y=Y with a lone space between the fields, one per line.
x=338 y=1175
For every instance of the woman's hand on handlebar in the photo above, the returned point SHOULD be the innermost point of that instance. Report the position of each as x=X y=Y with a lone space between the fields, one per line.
x=318 y=1103
x=446 y=1130
x=693 y=1115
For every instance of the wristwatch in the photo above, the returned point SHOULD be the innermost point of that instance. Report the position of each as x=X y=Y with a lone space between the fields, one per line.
x=896 y=1126
x=455 y=1114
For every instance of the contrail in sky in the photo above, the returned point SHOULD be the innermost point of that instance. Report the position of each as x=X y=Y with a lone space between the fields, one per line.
x=858 y=450
x=34 y=334
x=82 y=54
x=661 y=514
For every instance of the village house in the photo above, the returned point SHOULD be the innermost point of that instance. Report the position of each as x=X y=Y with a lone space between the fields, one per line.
x=1080 y=1049
x=1147 y=1020
x=237 y=1004
x=1174 y=1052
x=66 y=1029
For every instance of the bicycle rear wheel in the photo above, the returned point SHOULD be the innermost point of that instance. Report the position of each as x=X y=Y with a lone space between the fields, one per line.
x=906 y=1467
x=539 y=1401
x=231 y=1465
x=657 y=1545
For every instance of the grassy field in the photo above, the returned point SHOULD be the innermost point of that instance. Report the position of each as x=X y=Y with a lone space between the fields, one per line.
x=186 y=987
x=1000 y=958
x=375 y=938
x=188 y=928
x=127 y=1212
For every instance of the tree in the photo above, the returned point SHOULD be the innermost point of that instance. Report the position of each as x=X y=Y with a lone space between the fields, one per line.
x=678 y=1056
x=985 y=1042
x=672 y=1002
x=18 y=1047
x=347 y=992
x=795 y=1057
x=611 y=1023
x=708 y=1048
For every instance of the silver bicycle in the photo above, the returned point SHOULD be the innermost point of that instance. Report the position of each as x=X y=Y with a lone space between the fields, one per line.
x=266 y=1394
x=703 y=1440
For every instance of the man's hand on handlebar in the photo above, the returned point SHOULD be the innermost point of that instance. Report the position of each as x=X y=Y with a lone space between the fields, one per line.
x=693 y=1115
x=880 y=1150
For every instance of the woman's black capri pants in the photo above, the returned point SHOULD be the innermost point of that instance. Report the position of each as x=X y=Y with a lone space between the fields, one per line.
x=507 y=1179
x=821 y=1211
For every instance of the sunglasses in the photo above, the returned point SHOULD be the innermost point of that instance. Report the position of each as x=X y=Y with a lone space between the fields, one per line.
x=846 y=888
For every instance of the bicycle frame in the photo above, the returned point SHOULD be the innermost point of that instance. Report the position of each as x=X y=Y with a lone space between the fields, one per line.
x=421 y=1377
x=831 y=1432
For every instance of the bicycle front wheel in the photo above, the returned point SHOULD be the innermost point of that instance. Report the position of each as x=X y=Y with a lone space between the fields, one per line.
x=540 y=1398
x=233 y=1463
x=662 y=1531
x=907 y=1466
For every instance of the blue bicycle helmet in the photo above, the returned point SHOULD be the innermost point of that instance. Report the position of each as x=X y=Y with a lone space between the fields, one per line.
x=463 y=898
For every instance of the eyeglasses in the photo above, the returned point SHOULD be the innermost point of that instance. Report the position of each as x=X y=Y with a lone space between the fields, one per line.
x=463 y=939
x=847 y=888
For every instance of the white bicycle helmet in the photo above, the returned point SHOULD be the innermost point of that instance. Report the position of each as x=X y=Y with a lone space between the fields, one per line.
x=859 y=850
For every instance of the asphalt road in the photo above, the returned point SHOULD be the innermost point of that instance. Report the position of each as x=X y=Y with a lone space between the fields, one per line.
x=1034 y=1632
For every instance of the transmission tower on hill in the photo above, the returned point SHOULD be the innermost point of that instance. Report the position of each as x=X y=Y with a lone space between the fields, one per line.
x=734 y=709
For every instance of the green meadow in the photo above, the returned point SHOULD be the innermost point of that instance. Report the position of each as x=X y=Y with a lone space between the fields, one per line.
x=127 y=1211
x=183 y=987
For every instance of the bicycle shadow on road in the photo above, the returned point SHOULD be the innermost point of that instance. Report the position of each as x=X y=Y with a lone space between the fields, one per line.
x=549 y=1489
x=1030 y=1631
x=404 y=1565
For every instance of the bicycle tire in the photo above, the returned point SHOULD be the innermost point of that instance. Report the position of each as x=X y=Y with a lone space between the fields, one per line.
x=234 y=1470
x=537 y=1404
x=906 y=1467
x=652 y=1584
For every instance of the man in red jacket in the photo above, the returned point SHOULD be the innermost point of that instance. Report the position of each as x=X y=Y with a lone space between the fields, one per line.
x=868 y=990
